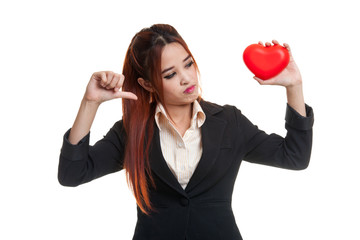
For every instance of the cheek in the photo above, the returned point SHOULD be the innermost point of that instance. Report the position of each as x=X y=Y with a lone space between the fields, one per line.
x=194 y=73
x=169 y=90
x=166 y=87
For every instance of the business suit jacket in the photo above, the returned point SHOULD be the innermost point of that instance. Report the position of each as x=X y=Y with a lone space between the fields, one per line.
x=203 y=210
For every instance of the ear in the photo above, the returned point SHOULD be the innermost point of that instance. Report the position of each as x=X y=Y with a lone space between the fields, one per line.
x=145 y=84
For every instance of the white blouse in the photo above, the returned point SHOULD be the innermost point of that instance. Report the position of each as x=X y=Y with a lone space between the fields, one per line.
x=182 y=154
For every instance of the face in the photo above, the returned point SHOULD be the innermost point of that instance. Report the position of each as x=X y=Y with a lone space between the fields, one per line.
x=179 y=76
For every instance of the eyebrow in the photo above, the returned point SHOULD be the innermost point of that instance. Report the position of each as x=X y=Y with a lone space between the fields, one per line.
x=168 y=69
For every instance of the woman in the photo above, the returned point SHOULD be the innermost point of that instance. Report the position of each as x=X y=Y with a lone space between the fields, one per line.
x=181 y=154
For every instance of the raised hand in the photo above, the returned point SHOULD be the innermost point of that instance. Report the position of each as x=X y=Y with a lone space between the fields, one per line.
x=290 y=76
x=103 y=86
x=106 y=85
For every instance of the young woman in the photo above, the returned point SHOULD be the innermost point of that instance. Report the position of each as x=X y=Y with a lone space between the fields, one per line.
x=181 y=154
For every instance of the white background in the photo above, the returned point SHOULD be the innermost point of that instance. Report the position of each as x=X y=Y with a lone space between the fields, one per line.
x=49 y=49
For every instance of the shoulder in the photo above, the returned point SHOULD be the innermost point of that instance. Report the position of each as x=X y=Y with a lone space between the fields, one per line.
x=117 y=131
x=216 y=109
x=118 y=126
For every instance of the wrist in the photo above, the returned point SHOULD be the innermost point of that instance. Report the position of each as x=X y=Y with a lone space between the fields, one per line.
x=83 y=121
x=295 y=98
x=90 y=103
x=296 y=85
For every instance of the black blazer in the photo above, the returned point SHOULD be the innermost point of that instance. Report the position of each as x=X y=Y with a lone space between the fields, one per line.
x=203 y=210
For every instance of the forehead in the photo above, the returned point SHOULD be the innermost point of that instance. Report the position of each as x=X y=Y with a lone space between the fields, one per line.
x=172 y=54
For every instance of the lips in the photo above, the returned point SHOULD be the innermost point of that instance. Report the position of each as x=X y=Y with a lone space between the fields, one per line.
x=190 y=89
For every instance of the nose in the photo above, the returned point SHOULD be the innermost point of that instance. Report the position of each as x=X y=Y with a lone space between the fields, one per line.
x=184 y=78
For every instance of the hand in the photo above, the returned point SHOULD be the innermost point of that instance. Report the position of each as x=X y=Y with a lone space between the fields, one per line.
x=104 y=86
x=288 y=77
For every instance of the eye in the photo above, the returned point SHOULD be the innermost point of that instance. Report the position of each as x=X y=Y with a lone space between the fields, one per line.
x=170 y=76
x=189 y=64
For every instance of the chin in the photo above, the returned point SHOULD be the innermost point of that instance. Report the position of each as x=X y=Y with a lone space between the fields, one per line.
x=192 y=98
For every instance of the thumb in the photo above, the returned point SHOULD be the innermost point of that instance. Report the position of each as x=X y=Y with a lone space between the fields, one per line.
x=127 y=95
x=270 y=81
x=259 y=80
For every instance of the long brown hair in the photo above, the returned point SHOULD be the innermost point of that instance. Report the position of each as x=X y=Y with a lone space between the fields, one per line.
x=143 y=60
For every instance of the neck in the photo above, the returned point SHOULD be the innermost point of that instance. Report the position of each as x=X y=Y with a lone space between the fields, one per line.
x=180 y=115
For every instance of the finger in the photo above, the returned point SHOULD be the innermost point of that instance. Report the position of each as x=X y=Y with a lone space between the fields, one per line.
x=267 y=44
x=109 y=77
x=113 y=82
x=261 y=43
x=119 y=83
x=287 y=46
x=289 y=50
x=275 y=42
x=259 y=80
x=126 y=95
x=100 y=77
x=264 y=82
x=104 y=79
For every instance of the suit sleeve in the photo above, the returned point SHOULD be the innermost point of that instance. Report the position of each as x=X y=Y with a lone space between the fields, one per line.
x=82 y=163
x=291 y=152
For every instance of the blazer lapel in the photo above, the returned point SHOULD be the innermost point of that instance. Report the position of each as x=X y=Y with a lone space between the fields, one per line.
x=159 y=166
x=212 y=133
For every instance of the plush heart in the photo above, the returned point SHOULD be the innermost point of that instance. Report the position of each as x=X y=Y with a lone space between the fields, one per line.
x=266 y=62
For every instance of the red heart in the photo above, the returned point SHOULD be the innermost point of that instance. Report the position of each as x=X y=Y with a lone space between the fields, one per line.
x=266 y=62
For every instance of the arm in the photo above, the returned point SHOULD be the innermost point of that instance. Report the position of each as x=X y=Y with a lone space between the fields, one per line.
x=103 y=86
x=83 y=121
x=290 y=78
x=79 y=162
x=82 y=163
x=295 y=99
x=293 y=151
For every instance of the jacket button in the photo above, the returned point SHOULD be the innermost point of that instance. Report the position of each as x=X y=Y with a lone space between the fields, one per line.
x=184 y=201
